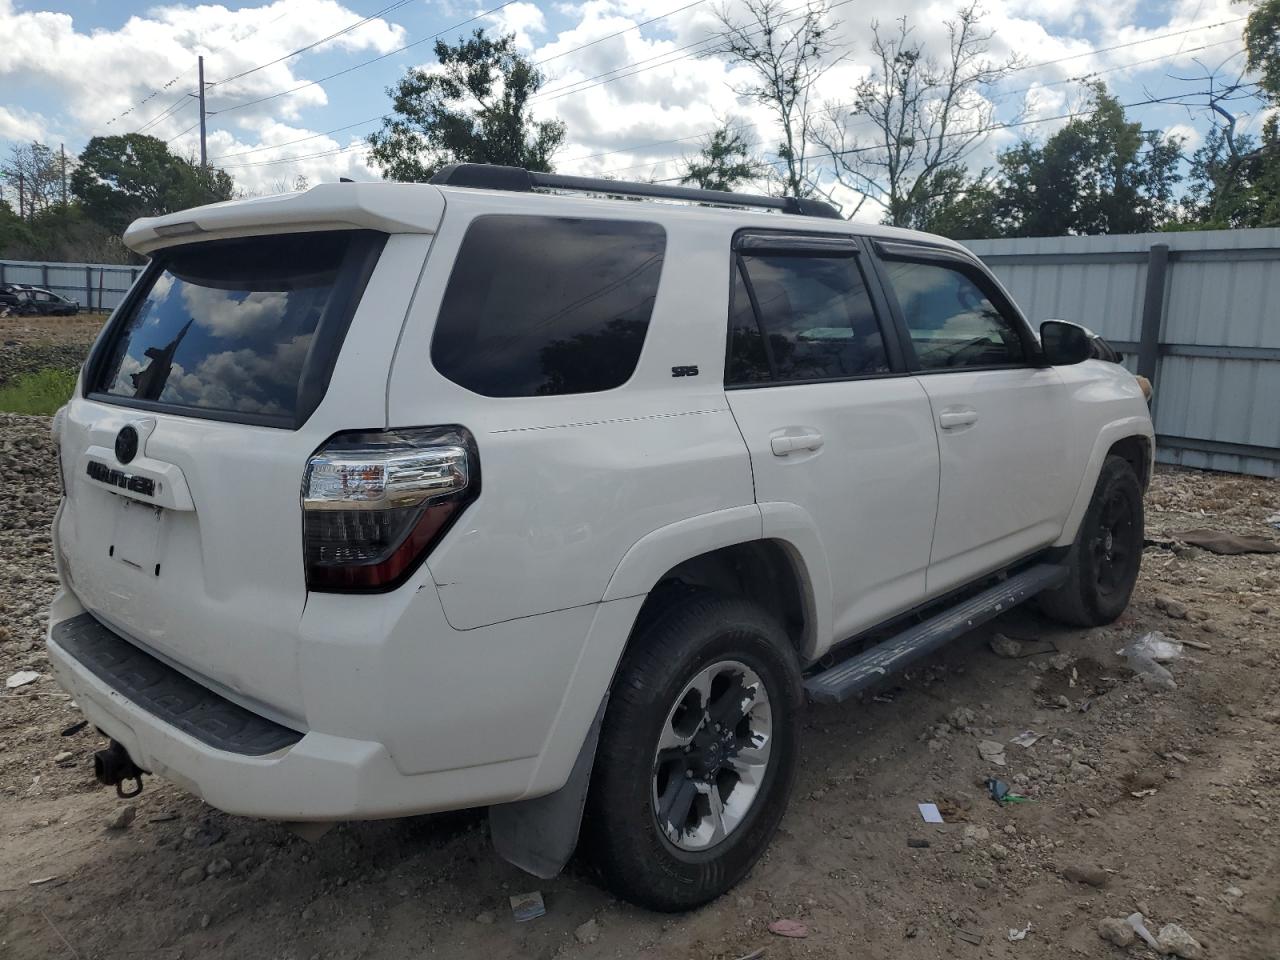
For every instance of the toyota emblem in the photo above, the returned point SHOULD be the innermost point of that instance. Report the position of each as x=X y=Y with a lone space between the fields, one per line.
x=126 y=444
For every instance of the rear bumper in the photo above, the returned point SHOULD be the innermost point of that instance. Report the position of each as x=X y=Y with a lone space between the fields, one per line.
x=318 y=777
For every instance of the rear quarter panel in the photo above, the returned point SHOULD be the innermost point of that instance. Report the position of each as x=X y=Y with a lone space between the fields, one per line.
x=570 y=483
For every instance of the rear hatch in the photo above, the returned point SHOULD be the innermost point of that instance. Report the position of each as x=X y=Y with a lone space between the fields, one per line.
x=183 y=454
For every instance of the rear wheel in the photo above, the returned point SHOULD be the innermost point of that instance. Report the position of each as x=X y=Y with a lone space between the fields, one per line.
x=1104 y=560
x=697 y=754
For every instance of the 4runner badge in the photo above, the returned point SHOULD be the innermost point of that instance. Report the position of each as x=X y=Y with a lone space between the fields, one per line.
x=118 y=478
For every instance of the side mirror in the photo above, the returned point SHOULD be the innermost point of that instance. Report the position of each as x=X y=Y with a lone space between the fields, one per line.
x=1064 y=343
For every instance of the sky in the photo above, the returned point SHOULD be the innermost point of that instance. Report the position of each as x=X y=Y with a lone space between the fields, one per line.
x=622 y=74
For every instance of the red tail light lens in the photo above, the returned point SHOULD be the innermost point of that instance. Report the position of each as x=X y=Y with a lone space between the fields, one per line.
x=374 y=503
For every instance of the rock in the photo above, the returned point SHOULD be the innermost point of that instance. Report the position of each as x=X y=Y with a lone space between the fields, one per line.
x=992 y=751
x=1173 y=939
x=486 y=917
x=1092 y=812
x=982 y=883
x=1260 y=608
x=1234 y=893
x=205 y=920
x=64 y=756
x=123 y=817
x=999 y=851
x=962 y=718
x=1085 y=873
x=588 y=932
x=1062 y=701
x=191 y=876
x=217 y=867
x=1115 y=930
x=1003 y=646
x=1175 y=609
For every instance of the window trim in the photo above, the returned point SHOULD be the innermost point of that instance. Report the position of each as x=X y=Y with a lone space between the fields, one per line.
x=806 y=244
x=974 y=270
x=361 y=259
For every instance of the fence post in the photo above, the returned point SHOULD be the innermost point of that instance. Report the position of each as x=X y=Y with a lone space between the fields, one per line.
x=44 y=275
x=88 y=287
x=1152 y=311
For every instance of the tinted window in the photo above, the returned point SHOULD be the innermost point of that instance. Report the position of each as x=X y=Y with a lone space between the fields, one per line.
x=231 y=326
x=952 y=323
x=816 y=314
x=548 y=305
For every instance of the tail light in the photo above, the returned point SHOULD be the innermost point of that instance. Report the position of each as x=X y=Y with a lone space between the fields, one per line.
x=375 y=502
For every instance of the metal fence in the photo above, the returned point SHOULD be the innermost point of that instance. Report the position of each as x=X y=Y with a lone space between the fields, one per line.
x=1197 y=313
x=98 y=286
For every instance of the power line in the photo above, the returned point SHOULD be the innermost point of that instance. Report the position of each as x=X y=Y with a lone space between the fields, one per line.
x=168 y=111
x=311 y=46
x=364 y=63
x=637 y=26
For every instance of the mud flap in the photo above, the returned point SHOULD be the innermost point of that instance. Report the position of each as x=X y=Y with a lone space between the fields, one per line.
x=539 y=835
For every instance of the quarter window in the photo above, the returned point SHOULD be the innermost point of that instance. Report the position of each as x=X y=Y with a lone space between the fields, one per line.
x=796 y=318
x=537 y=306
x=952 y=321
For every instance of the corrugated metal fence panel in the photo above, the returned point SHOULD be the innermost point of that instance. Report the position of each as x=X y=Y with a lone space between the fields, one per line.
x=1217 y=375
x=97 y=286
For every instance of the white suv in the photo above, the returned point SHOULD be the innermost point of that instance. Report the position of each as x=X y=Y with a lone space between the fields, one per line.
x=384 y=499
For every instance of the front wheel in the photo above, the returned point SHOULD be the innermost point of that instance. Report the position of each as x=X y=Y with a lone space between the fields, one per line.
x=1104 y=560
x=697 y=753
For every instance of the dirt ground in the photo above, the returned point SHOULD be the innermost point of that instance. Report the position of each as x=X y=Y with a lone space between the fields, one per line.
x=1167 y=800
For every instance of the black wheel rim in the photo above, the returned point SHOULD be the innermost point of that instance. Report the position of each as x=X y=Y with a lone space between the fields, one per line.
x=1113 y=547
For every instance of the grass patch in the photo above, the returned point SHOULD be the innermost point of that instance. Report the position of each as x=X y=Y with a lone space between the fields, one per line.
x=42 y=392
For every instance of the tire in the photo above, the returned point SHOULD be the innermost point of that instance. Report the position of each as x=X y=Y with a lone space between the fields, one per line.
x=722 y=645
x=1104 y=561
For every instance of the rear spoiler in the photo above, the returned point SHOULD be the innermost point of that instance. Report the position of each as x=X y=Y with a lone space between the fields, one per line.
x=385 y=207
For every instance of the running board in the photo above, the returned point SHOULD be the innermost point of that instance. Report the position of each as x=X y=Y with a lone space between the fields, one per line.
x=839 y=683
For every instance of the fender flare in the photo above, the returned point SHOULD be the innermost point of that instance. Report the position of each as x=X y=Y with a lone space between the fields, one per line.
x=1110 y=434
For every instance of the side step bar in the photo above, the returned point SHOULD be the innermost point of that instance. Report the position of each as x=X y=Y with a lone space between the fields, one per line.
x=840 y=682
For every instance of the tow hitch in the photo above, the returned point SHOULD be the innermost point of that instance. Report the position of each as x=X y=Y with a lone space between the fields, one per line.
x=114 y=767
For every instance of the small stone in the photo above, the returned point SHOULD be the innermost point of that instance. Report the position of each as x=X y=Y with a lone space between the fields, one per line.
x=64 y=756
x=1092 y=812
x=1179 y=757
x=191 y=876
x=1062 y=701
x=1173 y=939
x=123 y=817
x=1234 y=892
x=999 y=851
x=1006 y=647
x=962 y=718
x=1175 y=609
x=486 y=918
x=1260 y=608
x=982 y=883
x=992 y=751
x=308 y=913
x=1115 y=930
x=976 y=833
x=218 y=867
x=588 y=932
x=205 y=920
x=1011 y=830
x=1085 y=873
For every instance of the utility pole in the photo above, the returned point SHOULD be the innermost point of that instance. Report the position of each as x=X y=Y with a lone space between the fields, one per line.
x=204 y=154
x=62 y=149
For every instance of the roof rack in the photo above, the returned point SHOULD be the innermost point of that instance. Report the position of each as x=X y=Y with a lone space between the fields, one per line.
x=488 y=176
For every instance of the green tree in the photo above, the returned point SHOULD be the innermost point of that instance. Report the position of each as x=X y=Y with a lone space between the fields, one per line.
x=1262 y=45
x=121 y=178
x=1098 y=174
x=954 y=204
x=473 y=109
x=33 y=174
x=723 y=162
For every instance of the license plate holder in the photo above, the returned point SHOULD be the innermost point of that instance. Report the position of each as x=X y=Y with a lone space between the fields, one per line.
x=135 y=538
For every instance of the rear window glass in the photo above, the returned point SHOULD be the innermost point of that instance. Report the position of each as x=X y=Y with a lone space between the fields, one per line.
x=243 y=329
x=538 y=306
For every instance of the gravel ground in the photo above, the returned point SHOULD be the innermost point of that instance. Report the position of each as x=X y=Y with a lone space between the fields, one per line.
x=1163 y=802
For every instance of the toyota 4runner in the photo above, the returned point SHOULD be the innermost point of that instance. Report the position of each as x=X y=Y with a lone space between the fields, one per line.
x=508 y=490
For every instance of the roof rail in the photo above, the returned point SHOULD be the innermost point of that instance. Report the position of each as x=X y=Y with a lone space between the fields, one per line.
x=494 y=177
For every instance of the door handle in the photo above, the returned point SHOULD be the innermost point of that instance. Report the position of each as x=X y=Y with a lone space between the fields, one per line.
x=951 y=419
x=784 y=443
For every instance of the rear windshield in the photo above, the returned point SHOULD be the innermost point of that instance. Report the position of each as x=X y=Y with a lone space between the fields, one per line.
x=538 y=306
x=241 y=330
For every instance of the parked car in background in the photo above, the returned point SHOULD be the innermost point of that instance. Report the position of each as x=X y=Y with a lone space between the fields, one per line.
x=42 y=302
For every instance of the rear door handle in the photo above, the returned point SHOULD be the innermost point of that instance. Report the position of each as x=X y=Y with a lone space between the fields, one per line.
x=783 y=442
x=951 y=419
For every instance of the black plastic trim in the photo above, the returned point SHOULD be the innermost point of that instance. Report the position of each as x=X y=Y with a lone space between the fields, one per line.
x=167 y=694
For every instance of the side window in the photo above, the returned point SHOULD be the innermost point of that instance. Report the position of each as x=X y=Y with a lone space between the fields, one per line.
x=802 y=318
x=951 y=321
x=537 y=306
